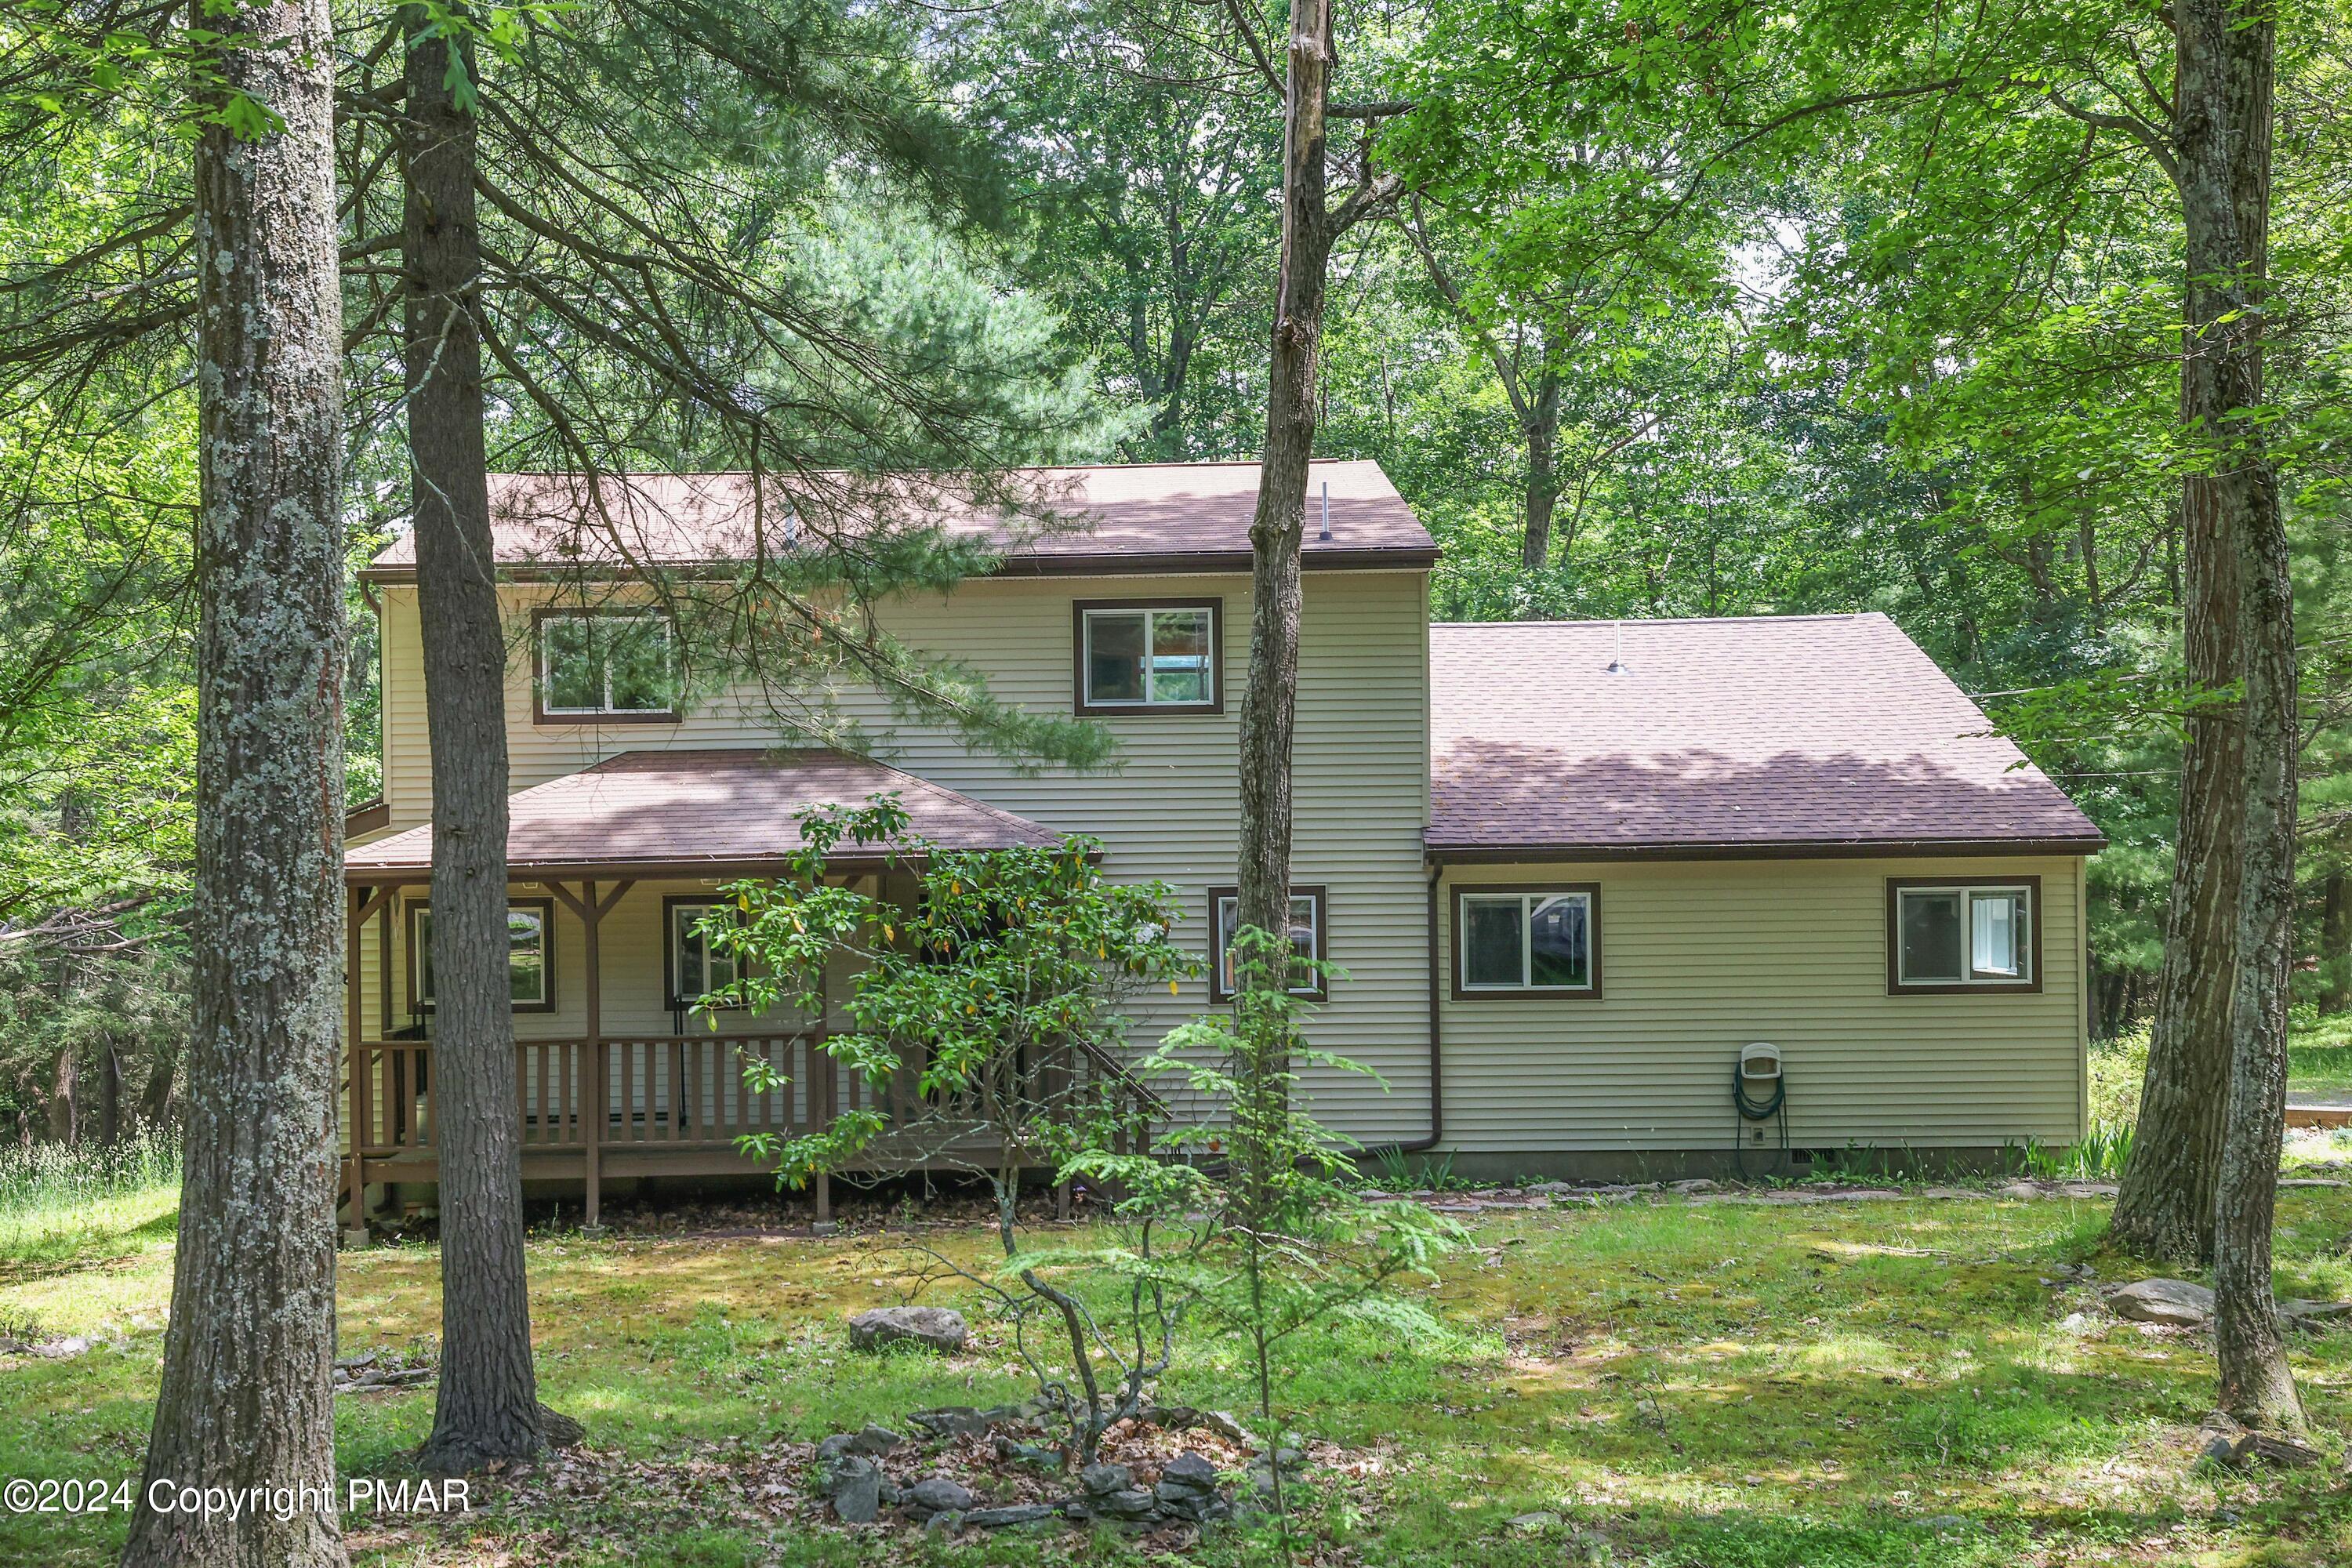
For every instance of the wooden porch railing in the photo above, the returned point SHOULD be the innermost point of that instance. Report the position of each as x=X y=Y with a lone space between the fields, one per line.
x=670 y=1102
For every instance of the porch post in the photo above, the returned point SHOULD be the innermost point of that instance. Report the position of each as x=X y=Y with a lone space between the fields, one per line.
x=352 y=1058
x=822 y=1185
x=594 y=1111
x=355 y=1059
x=383 y=967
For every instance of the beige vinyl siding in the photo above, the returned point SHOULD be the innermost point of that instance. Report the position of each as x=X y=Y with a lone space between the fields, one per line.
x=1698 y=958
x=1169 y=811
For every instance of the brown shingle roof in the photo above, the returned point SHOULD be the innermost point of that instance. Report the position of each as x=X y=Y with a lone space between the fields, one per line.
x=704 y=811
x=1772 y=735
x=1133 y=517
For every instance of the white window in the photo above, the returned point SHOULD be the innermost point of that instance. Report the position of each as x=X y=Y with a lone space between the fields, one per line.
x=1307 y=939
x=1527 y=941
x=607 y=664
x=1144 y=657
x=1962 y=935
x=698 y=966
x=529 y=981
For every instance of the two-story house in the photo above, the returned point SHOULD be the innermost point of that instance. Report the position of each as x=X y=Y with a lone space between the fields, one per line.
x=1570 y=871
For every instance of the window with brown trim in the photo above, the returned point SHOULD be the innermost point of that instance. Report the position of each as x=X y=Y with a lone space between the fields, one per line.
x=1527 y=941
x=1309 y=938
x=604 y=667
x=692 y=965
x=1149 y=655
x=531 y=955
x=1954 y=935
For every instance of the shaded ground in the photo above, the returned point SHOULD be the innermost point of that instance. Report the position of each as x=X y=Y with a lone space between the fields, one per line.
x=2319 y=1060
x=1733 y=1385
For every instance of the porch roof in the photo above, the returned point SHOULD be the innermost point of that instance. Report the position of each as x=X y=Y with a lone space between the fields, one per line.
x=699 y=812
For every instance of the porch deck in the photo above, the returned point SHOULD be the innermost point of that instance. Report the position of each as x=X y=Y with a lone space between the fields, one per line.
x=599 y=1101
x=678 y=1105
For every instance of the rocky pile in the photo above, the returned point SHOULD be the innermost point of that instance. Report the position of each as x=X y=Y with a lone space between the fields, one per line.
x=2224 y=1444
x=379 y=1369
x=63 y=1348
x=998 y=1467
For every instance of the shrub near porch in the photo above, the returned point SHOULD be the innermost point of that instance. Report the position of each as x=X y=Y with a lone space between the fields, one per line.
x=1836 y=1384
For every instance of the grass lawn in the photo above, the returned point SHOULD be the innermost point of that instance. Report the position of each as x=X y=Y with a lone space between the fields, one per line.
x=1685 y=1382
x=2319 y=1057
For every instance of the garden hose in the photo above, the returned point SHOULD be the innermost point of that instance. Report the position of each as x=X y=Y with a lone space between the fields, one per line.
x=1775 y=1105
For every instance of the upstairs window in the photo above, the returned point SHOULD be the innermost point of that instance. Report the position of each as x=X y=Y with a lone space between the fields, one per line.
x=1963 y=935
x=698 y=966
x=1307 y=939
x=530 y=982
x=1157 y=657
x=606 y=665
x=1527 y=941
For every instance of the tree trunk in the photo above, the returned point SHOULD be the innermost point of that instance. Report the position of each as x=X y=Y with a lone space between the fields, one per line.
x=2257 y=1387
x=245 y=1403
x=2222 y=136
x=1269 y=705
x=2335 y=943
x=156 y=1099
x=1542 y=430
x=486 y=1404
x=110 y=1094
x=64 y=1095
x=2222 y=130
x=2164 y=1204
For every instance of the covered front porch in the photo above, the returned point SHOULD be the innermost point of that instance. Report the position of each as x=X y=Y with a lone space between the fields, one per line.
x=616 y=1076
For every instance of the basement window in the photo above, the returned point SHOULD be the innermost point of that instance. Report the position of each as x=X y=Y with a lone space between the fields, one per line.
x=1148 y=657
x=606 y=665
x=1527 y=941
x=1959 y=936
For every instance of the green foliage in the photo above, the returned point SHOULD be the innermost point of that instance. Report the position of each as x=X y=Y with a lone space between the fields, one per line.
x=2099 y=1156
x=984 y=1018
x=1280 y=1234
x=1139 y=200
x=993 y=962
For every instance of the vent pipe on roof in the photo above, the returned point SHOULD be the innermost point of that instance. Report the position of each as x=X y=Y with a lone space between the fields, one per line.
x=1327 y=511
x=1617 y=665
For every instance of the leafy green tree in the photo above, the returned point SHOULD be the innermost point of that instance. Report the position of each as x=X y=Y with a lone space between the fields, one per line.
x=1138 y=196
x=985 y=1020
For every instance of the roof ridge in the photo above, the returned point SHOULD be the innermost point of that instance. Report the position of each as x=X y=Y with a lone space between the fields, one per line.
x=1256 y=462
x=1668 y=620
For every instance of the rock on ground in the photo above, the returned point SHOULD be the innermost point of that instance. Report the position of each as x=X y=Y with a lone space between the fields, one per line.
x=2176 y=1303
x=854 y=1486
x=940 y=1327
x=1101 y=1480
x=939 y=1494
